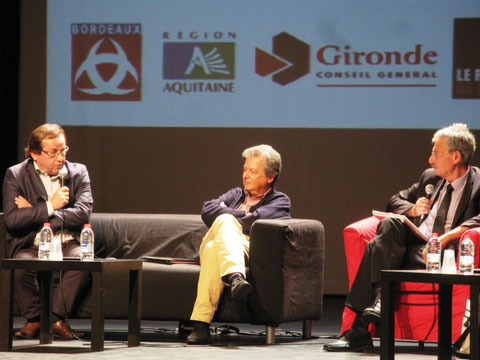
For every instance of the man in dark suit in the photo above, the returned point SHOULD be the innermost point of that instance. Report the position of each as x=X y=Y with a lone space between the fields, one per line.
x=453 y=208
x=34 y=194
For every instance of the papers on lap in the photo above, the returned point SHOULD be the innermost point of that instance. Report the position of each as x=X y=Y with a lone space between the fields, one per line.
x=403 y=218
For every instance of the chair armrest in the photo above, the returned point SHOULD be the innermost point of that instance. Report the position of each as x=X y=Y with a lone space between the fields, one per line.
x=286 y=267
x=474 y=235
x=355 y=237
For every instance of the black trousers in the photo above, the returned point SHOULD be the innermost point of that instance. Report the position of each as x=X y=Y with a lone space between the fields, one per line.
x=74 y=285
x=394 y=246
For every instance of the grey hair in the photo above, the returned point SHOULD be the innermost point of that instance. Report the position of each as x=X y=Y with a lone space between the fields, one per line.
x=273 y=160
x=459 y=138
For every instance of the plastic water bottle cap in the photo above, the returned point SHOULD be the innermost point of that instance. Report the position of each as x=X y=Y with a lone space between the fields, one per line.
x=46 y=224
x=87 y=226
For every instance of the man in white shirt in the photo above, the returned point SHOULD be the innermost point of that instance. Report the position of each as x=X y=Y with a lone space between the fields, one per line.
x=453 y=208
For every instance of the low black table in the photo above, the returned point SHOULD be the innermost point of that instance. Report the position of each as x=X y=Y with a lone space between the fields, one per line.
x=45 y=268
x=445 y=282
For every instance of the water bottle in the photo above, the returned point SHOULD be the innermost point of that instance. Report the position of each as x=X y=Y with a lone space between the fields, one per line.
x=46 y=235
x=467 y=255
x=87 y=239
x=434 y=250
x=56 y=249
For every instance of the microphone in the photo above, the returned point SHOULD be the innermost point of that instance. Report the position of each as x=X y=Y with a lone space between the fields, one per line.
x=63 y=172
x=428 y=191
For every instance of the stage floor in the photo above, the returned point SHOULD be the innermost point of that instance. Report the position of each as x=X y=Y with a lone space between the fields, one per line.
x=160 y=340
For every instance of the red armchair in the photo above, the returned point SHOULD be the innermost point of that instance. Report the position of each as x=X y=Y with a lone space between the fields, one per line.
x=418 y=302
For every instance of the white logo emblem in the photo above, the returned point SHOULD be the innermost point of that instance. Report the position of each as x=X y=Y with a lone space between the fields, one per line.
x=212 y=62
x=111 y=86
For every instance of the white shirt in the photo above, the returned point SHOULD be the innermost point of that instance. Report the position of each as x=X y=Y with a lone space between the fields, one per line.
x=51 y=185
x=458 y=186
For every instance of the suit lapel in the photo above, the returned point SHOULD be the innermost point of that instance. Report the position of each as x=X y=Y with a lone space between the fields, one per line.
x=436 y=192
x=36 y=182
x=465 y=199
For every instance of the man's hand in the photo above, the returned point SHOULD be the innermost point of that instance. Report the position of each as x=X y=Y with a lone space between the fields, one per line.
x=421 y=207
x=424 y=253
x=60 y=198
x=22 y=203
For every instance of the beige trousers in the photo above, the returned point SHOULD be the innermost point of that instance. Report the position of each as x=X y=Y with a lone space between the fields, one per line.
x=222 y=252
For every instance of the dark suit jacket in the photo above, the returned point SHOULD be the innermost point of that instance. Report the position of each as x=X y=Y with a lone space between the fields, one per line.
x=23 y=224
x=468 y=211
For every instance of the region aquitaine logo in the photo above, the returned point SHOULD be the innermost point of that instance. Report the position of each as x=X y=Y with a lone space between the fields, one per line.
x=198 y=60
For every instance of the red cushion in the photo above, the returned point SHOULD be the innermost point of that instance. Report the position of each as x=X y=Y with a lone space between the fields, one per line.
x=356 y=236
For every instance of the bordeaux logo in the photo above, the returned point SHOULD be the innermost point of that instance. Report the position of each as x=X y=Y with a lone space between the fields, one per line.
x=106 y=62
x=289 y=62
x=466 y=59
x=205 y=60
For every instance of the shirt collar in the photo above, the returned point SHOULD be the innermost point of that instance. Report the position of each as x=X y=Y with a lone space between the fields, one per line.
x=257 y=197
x=461 y=181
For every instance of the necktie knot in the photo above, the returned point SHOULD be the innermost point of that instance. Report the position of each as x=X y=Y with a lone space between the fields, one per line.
x=449 y=188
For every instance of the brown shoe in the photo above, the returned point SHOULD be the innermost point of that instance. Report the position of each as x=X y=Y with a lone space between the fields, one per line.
x=29 y=331
x=61 y=330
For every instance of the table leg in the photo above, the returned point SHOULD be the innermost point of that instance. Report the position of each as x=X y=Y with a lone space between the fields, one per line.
x=474 y=332
x=387 y=324
x=135 y=308
x=46 y=307
x=445 y=322
x=98 y=312
x=6 y=309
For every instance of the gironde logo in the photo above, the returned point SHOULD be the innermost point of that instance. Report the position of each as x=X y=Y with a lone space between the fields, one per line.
x=106 y=62
x=290 y=59
x=198 y=60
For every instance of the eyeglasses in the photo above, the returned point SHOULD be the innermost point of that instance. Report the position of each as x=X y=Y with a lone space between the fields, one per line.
x=436 y=155
x=54 y=154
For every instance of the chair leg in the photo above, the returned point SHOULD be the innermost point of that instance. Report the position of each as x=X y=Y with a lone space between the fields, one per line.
x=270 y=331
x=307 y=329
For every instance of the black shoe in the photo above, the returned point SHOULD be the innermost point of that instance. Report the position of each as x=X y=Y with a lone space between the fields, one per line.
x=372 y=313
x=240 y=289
x=200 y=334
x=351 y=340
